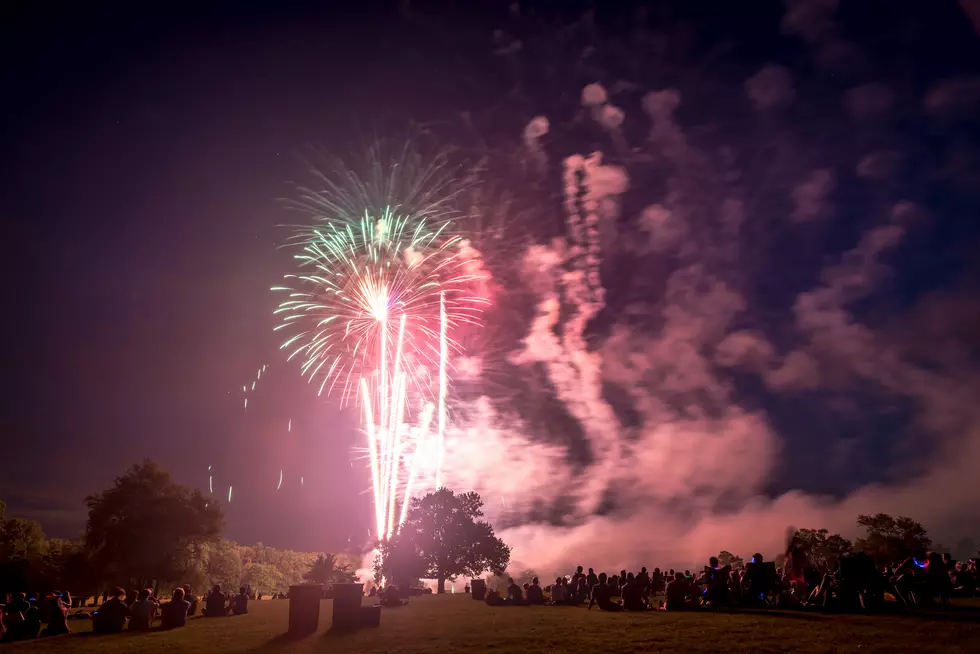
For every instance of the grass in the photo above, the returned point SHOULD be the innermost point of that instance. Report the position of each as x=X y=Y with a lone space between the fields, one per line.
x=455 y=623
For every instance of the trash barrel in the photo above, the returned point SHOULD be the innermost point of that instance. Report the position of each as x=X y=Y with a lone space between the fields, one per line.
x=478 y=587
x=347 y=607
x=304 y=609
x=371 y=616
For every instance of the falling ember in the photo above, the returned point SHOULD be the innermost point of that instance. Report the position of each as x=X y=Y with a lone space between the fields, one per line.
x=246 y=404
x=210 y=484
x=253 y=386
x=300 y=481
x=289 y=427
x=280 y=480
x=229 y=494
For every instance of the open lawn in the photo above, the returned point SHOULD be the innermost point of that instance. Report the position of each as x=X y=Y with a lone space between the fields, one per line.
x=455 y=623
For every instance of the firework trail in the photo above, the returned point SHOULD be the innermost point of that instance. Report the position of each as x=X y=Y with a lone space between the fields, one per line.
x=383 y=281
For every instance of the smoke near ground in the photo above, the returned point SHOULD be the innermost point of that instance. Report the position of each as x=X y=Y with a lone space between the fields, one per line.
x=738 y=320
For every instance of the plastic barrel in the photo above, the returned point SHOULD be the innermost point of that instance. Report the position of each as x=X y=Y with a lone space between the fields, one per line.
x=304 y=609
x=347 y=606
x=478 y=587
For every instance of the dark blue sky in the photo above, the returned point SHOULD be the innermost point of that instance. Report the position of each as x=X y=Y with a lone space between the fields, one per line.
x=145 y=153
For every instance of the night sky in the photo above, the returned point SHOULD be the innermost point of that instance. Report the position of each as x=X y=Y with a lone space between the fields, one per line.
x=146 y=154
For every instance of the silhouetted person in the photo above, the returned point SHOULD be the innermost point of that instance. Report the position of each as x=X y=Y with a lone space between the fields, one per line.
x=173 y=614
x=514 y=593
x=214 y=603
x=111 y=616
x=239 y=605
x=602 y=596
x=534 y=593
x=58 y=618
x=143 y=610
x=558 y=591
x=633 y=594
x=190 y=598
x=677 y=593
x=591 y=579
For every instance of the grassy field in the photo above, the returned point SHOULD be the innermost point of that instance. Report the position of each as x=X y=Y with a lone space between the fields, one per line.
x=454 y=623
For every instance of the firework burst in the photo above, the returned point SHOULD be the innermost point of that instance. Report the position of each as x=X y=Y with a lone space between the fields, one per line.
x=383 y=282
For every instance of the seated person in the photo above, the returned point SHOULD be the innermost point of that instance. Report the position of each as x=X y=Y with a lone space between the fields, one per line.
x=214 y=603
x=191 y=598
x=492 y=598
x=239 y=605
x=111 y=616
x=634 y=594
x=558 y=591
x=759 y=580
x=677 y=594
x=58 y=618
x=514 y=593
x=716 y=580
x=143 y=611
x=390 y=597
x=174 y=613
x=602 y=595
x=534 y=593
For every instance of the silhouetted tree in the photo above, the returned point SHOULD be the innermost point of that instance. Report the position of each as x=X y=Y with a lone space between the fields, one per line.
x=146 y=528
x=822 y=548
x=327 y=571
x=223 y=564
x=442 y=539
x=727 y=558
x=889 y=540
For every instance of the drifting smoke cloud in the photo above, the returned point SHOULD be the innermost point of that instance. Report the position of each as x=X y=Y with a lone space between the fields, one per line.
x=681 y=459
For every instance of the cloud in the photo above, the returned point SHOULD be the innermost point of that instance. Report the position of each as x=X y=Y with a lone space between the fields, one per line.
x=872 y=101
x=879 y=165
x=771 y=87
x=813 y=20
x=594 y=95
x=955 y=97
x=810 y=197
x=798 y=371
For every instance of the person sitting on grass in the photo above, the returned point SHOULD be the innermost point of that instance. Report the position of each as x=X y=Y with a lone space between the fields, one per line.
x=558 y=591
x=111 y=616
x=678 y=594
x=239 y=605
x=716 y=580
x=143 y=611
x=514 y=593
x=634 y=597
x=191 y=599
x=602 y=595
x=173 y=614
x=534 y=593
x=390 y=597
x=57 y=618
x=214 y=603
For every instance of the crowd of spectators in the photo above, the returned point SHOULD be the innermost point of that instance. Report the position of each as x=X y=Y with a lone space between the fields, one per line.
x=852 y=583
x=21 y=617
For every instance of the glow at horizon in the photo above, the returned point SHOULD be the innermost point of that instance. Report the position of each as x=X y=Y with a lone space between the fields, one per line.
x=370 y=314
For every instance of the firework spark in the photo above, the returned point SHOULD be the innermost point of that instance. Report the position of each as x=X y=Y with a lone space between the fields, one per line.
x=383 y=283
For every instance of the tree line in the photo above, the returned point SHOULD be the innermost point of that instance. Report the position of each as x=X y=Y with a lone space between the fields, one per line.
x=146 y=530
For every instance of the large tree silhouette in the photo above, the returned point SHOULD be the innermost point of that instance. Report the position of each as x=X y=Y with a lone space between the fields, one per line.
x=442 y=539
x=146 y=528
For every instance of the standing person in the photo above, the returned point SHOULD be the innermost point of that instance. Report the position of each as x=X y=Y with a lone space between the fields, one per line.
x=591 y=579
